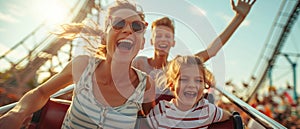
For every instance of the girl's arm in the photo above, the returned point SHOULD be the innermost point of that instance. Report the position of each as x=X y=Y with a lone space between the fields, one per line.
x=226 y=115
x=242 y=9
x=149 y=97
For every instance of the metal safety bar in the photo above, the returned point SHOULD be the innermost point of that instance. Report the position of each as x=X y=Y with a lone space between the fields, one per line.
x=264 y=120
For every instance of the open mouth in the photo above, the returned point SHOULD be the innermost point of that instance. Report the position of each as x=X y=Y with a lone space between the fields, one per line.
x=190 y=94
x=163 y=46
x=125 y=44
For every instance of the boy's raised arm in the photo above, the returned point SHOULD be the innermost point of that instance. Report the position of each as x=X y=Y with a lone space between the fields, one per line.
x=242 y=8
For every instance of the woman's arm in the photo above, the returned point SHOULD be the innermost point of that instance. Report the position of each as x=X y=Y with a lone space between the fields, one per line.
x=242 y=9
x=35 y=99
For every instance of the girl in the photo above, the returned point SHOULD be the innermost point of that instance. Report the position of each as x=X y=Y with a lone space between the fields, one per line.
x=187 y=78
x=108 y=92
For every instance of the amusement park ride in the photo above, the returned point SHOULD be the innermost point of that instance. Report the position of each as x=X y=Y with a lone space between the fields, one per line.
x=46 y=56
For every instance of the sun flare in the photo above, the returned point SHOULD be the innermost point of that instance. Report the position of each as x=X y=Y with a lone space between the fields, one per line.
x=53 y=11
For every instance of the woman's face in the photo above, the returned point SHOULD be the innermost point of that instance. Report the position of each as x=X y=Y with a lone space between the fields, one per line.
x=189 y=85
x=125 y=37
x=162 y=39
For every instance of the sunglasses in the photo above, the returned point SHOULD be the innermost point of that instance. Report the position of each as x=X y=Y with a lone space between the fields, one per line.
x=119 y=23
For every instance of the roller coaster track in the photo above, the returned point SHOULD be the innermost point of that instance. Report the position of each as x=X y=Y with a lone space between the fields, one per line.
x=21 y=74
x=280 y=31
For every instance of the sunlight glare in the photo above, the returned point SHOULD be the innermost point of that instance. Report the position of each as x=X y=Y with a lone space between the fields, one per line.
x=53 y=11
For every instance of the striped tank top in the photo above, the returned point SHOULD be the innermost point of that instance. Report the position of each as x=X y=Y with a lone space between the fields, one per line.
x=86 y=112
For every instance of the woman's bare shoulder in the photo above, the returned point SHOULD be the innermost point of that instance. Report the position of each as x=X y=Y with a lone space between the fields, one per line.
x=79 y=64
x=81 y=61
x=140 y=59
x=140 y=62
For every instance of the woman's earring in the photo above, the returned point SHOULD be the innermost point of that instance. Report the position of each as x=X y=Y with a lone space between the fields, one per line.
x=207 y=86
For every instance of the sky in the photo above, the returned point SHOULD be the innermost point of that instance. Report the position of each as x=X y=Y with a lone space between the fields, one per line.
x=197 y=23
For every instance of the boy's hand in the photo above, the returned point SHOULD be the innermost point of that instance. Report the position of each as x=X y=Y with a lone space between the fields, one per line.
x=243 y=6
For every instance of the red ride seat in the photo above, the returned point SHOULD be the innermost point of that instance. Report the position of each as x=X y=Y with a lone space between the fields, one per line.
x=51 y=115
x=235 y=122
x=164 y=97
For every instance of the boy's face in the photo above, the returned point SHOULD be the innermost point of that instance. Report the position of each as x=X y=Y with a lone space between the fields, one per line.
x=190 y=85
x=162 y=39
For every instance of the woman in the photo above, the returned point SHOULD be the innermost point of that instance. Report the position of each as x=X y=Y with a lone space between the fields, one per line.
x=108 y=92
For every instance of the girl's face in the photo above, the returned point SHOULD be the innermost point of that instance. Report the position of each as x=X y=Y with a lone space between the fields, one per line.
x=189 y=86
x=162 y=39
x=125 y=35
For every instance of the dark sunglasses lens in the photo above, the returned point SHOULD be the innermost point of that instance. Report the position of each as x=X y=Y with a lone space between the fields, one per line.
x=137 y=26
x=118 y=24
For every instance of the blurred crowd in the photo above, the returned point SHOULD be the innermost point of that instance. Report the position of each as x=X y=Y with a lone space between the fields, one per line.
x=279 y=106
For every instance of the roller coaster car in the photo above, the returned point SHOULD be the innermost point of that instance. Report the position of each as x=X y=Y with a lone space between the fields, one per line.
x=52 y=115
x=235 y=122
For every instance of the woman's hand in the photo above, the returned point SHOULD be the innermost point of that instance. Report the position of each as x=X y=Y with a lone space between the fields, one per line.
x=11 y=120
x=243 y=6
